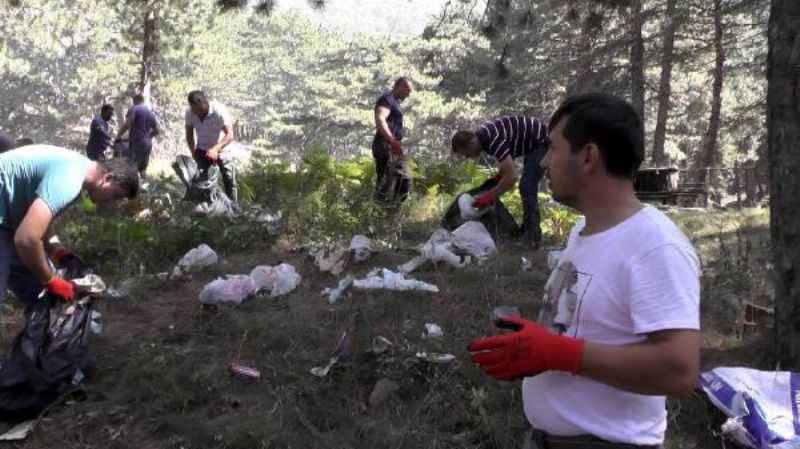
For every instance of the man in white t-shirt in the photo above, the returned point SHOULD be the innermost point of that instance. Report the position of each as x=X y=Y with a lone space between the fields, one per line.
x=619 y=327
x=209 y=119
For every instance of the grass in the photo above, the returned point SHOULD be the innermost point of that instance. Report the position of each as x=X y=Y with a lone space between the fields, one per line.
x=163 y=379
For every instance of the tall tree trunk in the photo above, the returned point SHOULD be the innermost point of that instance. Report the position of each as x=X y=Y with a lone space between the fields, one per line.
x=637 y=60
x=710 y=156
x=150 y=48
x=783 y=130
x=665 y=85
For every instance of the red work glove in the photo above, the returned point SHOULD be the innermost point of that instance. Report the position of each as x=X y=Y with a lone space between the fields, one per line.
x=396 y=148
x=527 y=352
x=61 y=288
x=485 y=200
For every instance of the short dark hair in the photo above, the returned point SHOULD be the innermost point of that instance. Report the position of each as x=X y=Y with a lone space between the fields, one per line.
x=138 y=98
x=611 y=123
x=106 y=107
x=22 y=141
x=401 y=80
x=124 y=174
x=197 y=97
x=461 y=139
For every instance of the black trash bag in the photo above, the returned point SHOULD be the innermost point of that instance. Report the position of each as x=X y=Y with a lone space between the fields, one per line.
x=396 y=183
x=498 y=221
x=203 y=187
x=48 y=358
x=121 y=148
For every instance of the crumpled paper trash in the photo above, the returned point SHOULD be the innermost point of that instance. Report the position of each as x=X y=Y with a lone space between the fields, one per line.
x=435 y=357
x=194 y=260
x=389 y=280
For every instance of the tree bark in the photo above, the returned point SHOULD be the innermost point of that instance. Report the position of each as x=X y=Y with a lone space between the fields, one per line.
x=150 y=50
x=710 y=156
x=783 y=135
x=637 y=60
x=665 y=85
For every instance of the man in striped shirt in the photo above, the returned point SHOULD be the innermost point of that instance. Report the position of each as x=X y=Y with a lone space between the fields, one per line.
x=505 y=139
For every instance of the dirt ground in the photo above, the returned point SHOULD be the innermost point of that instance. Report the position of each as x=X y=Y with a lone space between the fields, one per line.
x=162 y=377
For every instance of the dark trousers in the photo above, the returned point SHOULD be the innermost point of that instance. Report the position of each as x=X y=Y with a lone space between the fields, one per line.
x=381 y=152
x=532 y=173
x=536 y=439
x=14 y=275
x=227 y=170
x=139 y=154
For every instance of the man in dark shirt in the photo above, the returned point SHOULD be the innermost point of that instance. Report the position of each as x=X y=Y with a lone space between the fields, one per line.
x=143 y=126
x=389 y=130
x=98 y=134
x=505 y=139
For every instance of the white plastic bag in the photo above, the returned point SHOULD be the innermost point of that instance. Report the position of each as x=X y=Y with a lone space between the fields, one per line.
x=91 y=283
x=438 y=248
x=278 y=280
x=763 y=407
x=361 y=248
x=332 y=260
x=286 y=280
x=467 y=211
x=553 y=257
x=474 y=238
x=233 y=290
x=334 y=294
x=196 y=259
x=264 y=277
x=390 y=280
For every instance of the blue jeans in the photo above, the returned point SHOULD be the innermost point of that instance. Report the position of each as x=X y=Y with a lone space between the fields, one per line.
x=532 y=173
x=14 y=275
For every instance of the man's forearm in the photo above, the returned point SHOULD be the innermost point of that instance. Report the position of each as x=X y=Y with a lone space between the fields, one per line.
x=648 y=368
x=190 y=140
x=31 y=252
x=508 y=177
x=383 y=130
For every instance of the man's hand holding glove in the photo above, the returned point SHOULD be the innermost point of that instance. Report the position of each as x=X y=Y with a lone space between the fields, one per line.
x=486 y=199
x=62 y=288
x=213 y=155
x=396 y=147
x=529 y=351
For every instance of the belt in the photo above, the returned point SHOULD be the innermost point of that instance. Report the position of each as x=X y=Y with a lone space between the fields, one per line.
x=543 y=440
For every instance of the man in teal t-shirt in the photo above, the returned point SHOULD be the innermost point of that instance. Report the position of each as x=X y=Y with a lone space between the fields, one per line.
x=37 y=183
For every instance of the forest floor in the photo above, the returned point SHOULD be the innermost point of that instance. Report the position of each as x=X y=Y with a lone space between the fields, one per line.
x=162 y=378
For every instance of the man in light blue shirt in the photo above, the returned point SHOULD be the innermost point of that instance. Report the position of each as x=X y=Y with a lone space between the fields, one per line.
x=37 y=183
